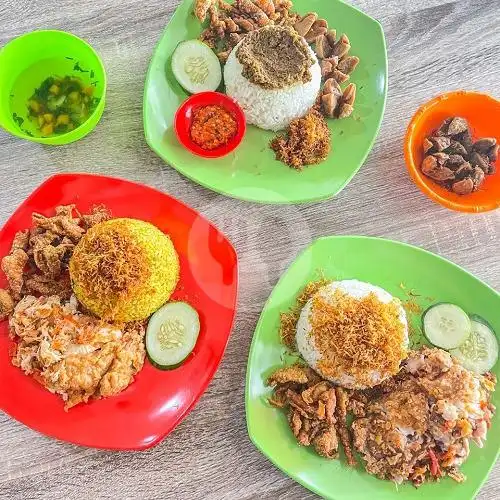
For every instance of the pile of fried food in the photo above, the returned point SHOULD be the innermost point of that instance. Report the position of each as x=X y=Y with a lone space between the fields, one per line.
x=453 y=160
x=229 y=23
x=414 y=427
x=317 y=411
x=71 y=353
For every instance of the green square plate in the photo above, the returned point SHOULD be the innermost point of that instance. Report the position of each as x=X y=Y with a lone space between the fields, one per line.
x=387 y=264
x=251 y=172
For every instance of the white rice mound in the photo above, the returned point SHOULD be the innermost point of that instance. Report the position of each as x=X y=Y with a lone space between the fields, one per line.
x=305 y=336
x=271 y=109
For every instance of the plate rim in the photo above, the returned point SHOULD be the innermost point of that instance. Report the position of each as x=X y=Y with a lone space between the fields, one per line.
x=249 y=198
x=181 y=415
x=248 y=401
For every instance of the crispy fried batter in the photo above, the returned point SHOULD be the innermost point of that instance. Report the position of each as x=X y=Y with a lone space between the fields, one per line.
x=21 y=240
x=330 y=399
x=62 y=224
x=311 y=404
x=13 y=266
x=44 y=285
x=299 y=404
x=129 y=360
x=341 y=413
x=201 y=8
x=49 y=259
x=294 y=373
x=326 y=443
x=6 y=304
x=39 y=239
x=99 y=213
x=39 y=257
x=295 y=422
x=279 y=399
x=312 y=394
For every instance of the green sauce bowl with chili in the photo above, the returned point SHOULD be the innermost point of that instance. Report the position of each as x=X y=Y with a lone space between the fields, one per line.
x=52 y=87
x=210 y=124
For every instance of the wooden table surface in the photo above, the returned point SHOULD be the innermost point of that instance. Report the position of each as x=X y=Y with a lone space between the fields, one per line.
x=434 y=46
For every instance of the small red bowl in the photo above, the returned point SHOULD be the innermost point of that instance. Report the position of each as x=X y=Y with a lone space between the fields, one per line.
x=184 y=117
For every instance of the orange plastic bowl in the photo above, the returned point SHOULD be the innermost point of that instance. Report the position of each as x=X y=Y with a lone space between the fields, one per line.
x=483 y=114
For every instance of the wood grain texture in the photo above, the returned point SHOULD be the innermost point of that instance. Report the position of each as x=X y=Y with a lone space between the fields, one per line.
x=434 y=46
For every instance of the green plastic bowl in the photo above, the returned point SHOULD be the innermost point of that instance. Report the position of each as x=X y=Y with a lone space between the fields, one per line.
x=27 y=61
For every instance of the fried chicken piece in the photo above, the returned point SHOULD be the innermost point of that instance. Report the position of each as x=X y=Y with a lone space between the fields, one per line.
x=13 y=266
x=44 y=285
x=79 y=375
x=223 y=5
x=329 y=398
x=341 y=414
x=295 y=422
x=6 y=304
x=217 y=25
x=65 y=211
x=304 y=436
x=21 y=240
x=40 y=238
x=406 y=408
x=268 y=7
x=295 y=373
x=247 y=7
x=99 y=214
x=201 y=9
x=357 y=408
x=299 y=404
x=50 y=260
x=326 y=443
x=129 y=360
x=279 y=399
x=61 y=225
x=313 y=393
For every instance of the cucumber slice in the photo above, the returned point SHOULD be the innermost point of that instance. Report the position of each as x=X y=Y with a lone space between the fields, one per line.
x=196 y=67
x=446 y=325
x=172 y=334
x=479 y=353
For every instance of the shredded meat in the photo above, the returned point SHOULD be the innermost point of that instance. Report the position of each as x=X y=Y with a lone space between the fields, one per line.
x=419 y=426
x=306 y=142
x=356 y=338
x=74 y=355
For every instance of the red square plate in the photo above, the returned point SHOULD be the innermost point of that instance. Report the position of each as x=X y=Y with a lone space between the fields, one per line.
x=157 y=400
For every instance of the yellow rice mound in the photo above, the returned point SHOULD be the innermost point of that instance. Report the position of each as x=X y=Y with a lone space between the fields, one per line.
x=124 y=270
